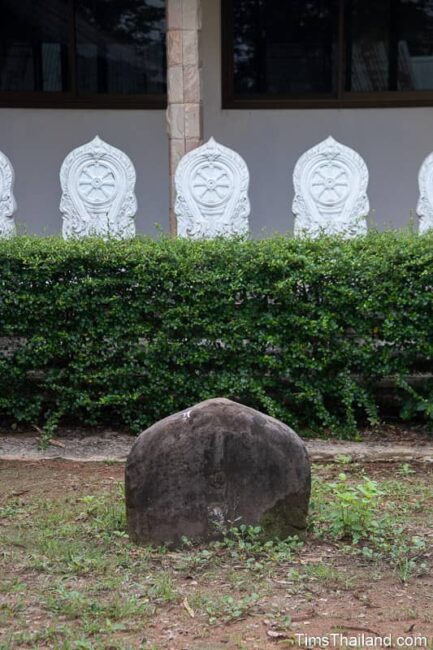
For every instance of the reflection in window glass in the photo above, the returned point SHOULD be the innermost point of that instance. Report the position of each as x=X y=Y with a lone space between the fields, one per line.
x=284 y=47
x=34 y=41
x=120 y=46
x=390 y=45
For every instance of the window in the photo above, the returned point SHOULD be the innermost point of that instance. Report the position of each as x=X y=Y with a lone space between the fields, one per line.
x=309 y=53
x=78 y=53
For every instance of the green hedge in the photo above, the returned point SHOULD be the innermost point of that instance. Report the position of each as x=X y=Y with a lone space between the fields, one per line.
x=126 y=333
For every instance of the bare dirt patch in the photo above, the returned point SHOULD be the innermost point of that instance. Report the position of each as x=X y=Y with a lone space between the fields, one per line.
x=71 y=579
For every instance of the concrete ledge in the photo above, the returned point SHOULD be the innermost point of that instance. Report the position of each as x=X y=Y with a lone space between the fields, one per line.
x=113 y=447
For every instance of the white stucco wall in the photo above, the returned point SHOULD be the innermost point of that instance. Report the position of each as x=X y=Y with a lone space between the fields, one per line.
x=37 y=141
x=393 y=143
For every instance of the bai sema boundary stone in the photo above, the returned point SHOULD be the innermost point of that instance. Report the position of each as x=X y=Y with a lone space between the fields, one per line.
x=330 y=182
x=214 y=466
x=98 y=192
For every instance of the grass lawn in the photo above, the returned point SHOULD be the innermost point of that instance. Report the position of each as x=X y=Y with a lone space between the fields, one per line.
x=69 y=578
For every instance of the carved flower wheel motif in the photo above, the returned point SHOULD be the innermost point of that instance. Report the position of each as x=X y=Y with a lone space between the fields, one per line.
x=96 y=182
x=330 y=182
x=211 y=183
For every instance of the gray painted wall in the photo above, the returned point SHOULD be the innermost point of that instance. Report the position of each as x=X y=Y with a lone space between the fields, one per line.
x=393 y=142
x=37 y=141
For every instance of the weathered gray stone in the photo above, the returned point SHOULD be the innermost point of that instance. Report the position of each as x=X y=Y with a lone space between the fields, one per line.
x=214 y=466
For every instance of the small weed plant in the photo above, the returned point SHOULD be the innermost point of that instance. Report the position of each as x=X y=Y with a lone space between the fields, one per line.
x=356 y=513
x=226 y=608
x=353 y=514
x=250 y=544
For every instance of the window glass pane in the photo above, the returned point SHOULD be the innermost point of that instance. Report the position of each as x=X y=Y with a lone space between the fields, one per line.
x=390 y=45
x=33 y=45
x=121 y=46
x=416 y=45
x=283 y=47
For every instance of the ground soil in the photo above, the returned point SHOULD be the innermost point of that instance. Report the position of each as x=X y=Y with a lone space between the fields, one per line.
x=358 y=598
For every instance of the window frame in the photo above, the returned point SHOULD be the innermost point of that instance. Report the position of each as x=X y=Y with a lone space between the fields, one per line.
x=343 y=99
x=72 y=99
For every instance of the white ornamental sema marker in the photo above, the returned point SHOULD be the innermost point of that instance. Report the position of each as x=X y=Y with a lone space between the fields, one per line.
x=330 y=183
x=212 y=193
x=424 y=208
x=8 y=204
x=98 y=199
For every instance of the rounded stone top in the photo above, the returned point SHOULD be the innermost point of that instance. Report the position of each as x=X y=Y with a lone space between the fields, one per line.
x=213 y=466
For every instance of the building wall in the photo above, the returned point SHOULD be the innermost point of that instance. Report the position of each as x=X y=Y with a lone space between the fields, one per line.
x=393 y=143
x=37 y=141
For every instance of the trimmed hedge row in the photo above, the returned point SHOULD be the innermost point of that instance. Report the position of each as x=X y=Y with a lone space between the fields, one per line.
x=124 y=333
